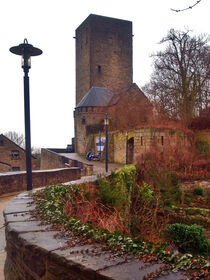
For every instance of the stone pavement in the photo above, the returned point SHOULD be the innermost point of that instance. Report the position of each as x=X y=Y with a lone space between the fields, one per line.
x=98 y=167
x=3 y=203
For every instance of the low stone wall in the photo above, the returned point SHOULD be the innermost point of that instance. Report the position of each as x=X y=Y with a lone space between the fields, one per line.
x=51 y=159
x=16 y=181
x=36 y=252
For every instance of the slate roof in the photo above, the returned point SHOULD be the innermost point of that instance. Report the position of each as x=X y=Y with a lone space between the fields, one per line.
x=96 y=97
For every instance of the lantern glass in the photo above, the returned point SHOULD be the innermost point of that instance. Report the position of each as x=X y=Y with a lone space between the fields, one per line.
x=26 y=62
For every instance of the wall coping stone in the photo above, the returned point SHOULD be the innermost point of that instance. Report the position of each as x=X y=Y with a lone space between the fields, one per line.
x=49 y=257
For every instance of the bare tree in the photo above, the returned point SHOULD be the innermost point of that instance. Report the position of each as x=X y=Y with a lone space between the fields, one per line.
x=17 y=138
x=180 y=81
x=188 y=8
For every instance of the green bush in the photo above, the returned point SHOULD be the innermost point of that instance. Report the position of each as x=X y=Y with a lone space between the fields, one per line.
x=167 y=203
x=188 y=201
x=198 y=191
x=169 y=188
x=188 y=238
x=203 y=147
x=116 y=189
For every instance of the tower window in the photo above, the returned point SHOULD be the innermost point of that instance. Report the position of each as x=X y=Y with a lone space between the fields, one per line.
x=162 y=140
x=99 y=68
x=83 y=120
x=141 y=140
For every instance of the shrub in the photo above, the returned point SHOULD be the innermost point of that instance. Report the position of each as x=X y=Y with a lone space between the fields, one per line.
x=188 y=201
x=203 y=147
x=116 y=190
x=198 y=191
x=187 y=237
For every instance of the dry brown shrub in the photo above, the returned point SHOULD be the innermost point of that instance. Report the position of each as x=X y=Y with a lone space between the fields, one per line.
x=178 y=157
x=86 y=207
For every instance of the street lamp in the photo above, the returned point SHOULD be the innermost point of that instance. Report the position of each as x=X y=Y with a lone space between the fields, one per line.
x=26 y=51
x=106 y=123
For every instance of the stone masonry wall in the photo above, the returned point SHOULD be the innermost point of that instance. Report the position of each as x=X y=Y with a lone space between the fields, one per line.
x=144 y=140
x=103 y=54
x=52 y=160
x=36 y=252
x=16 y=181
x=84 y=118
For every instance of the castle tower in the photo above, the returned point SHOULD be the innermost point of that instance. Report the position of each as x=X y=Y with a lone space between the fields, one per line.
x=103 y=54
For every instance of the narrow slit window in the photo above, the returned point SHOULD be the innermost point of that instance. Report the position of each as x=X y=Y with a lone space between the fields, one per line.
x=99 y=68
x=141 y=140
x=83 y=120
x=162 y=140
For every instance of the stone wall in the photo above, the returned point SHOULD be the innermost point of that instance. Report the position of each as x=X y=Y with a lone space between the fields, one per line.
x=104 y=54
x=51 y=160
x=36 y=252
x=16 y=181
x=144 y=139
x=86 y=118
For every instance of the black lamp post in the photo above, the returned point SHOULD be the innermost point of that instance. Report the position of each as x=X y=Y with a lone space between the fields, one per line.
x=106 y=123
x=26 y=51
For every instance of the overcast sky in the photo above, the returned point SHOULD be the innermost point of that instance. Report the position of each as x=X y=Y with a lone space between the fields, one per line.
x=50 y=25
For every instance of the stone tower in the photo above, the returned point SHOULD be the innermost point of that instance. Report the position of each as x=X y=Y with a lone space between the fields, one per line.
x=103 y=54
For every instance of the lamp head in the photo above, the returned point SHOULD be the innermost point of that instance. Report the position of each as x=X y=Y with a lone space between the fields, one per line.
x=26 y=51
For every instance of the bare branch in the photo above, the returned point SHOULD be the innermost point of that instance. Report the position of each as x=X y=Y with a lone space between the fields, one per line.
x=188 y=8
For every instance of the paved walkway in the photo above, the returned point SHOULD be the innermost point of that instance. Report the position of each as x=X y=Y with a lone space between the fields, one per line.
x=3 y=203
x=98 y=167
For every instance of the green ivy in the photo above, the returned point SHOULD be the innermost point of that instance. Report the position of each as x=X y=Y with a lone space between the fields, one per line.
x=49 y=208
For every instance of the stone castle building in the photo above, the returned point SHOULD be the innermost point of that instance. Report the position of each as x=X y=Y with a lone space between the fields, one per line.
x=104 y=85
x=104 y=80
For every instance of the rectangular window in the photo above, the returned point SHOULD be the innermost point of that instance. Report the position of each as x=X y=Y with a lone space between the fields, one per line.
x=141 y=140
x=99 y=68
x=15 y=154
x=15 y=168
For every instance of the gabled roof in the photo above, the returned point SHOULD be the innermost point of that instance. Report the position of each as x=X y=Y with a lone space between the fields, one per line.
x=96 y=97
x=19 y=147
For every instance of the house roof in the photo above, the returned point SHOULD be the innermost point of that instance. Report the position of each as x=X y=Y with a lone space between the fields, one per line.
x=96 y=97
x=6 y=138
